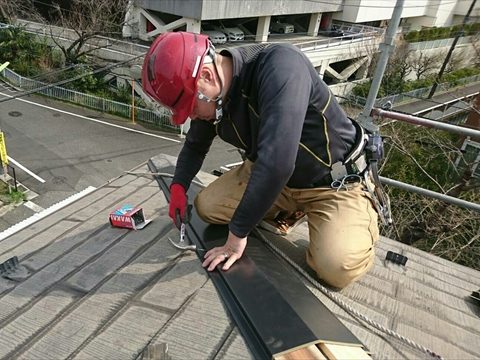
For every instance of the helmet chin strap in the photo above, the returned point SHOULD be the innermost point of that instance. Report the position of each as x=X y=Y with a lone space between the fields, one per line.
x=219 y=99
x=218 y=105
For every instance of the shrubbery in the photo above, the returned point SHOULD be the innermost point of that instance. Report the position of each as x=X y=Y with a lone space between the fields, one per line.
x=33 y=58
x=435 y=33
x=453 y=78
x=27 y=55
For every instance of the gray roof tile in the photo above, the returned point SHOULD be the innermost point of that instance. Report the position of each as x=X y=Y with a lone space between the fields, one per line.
x=93 y=291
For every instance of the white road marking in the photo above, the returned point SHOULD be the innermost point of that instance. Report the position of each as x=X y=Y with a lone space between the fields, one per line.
x=32 y=174
x=33 y=206
x=94 y=120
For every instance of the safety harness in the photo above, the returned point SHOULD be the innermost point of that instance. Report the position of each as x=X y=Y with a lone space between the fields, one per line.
x=362 y=163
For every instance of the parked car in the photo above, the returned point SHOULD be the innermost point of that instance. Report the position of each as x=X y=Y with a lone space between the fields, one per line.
x=233 y=33
x=282 y=28
x=216 y=37
x=344 y=34
x=334 y=32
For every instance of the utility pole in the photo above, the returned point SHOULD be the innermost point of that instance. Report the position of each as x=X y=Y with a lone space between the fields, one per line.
x=365 y=118
x=3 y=148
x=133 y=101
x=450 y=51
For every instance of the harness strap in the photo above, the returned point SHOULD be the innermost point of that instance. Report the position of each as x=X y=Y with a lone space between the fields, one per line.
x=356 y=162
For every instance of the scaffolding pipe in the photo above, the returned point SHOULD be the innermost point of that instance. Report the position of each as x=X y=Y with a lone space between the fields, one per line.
x=449 y=199
x=365 y=117
x=427 y=123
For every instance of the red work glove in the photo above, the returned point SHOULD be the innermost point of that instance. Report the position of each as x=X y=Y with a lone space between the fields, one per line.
x=178 y=202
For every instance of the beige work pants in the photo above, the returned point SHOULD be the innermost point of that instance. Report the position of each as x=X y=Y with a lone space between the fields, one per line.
x=343 y=224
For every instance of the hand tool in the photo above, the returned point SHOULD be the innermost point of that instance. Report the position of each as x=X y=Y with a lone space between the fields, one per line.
x=183 y=244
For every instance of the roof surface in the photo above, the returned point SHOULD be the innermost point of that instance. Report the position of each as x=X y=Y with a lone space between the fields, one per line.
x=85 y=289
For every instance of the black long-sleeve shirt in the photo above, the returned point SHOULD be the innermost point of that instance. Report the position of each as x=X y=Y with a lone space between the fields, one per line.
x=283 y=115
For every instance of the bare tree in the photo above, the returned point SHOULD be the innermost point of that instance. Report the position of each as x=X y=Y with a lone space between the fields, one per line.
x=88 y=19
x=398 y=68
x=423 y=64
x=83 y=21
x=476 y=48
x=455 y=62
x=426 y=158
x=10 y=10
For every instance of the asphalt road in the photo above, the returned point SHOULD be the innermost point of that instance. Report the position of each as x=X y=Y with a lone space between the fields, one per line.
x=71 y=148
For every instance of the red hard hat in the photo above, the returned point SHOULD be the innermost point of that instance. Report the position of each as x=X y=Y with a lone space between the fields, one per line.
x=171 y=70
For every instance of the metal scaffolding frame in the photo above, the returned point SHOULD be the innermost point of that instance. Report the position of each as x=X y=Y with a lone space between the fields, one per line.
x=436 y=125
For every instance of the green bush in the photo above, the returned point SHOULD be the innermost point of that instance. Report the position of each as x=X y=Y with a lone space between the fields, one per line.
x=27 y=55
x=412 y=36
x=392 y=86
x=10 y=195
x=435 y=33
x=362 y=89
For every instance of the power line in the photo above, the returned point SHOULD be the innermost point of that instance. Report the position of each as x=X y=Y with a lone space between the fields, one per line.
x=56 y=71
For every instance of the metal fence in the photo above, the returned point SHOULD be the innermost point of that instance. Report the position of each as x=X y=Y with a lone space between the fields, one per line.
x=160 y=117
x=433 y=44
x=408 y=96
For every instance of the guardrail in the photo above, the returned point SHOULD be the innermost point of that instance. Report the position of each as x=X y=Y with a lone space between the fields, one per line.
x=357 y=28
x=353 y=33
x=314 y=45
x=160 y=117
x=418 y=93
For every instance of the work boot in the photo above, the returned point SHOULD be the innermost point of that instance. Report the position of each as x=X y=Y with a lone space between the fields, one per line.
x=284 y=223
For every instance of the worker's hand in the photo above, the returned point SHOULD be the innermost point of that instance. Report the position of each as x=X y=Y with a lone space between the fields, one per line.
x=230 y=252
x=178 y=203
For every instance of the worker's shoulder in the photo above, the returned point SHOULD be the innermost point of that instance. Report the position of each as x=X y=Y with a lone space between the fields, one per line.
x=281 y=54
x=282 y=48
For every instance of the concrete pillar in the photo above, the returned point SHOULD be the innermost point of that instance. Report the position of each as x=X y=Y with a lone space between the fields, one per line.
x=314 y=24
x=322 y=67
x=142 y=27
x=127 y=29
x=193 y=25
x=262 y=29
x=363 y=70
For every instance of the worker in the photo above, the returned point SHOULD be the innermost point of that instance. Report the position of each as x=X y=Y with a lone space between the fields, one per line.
x=301 y=149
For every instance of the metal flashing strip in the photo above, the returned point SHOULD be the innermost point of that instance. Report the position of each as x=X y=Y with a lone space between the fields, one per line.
x=273 y=310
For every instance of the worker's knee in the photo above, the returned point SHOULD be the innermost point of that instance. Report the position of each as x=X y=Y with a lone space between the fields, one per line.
x=212 y=209
x=340 y=270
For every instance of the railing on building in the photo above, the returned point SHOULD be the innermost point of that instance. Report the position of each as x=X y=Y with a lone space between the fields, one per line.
x=408 y=96
x=159 y=117
x=357 y=28
x=98 y=41
x=433 y=44
x=354 y=33
x=356 y=37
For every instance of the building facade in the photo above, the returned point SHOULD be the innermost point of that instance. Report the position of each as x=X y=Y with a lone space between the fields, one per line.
x=148 y=18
